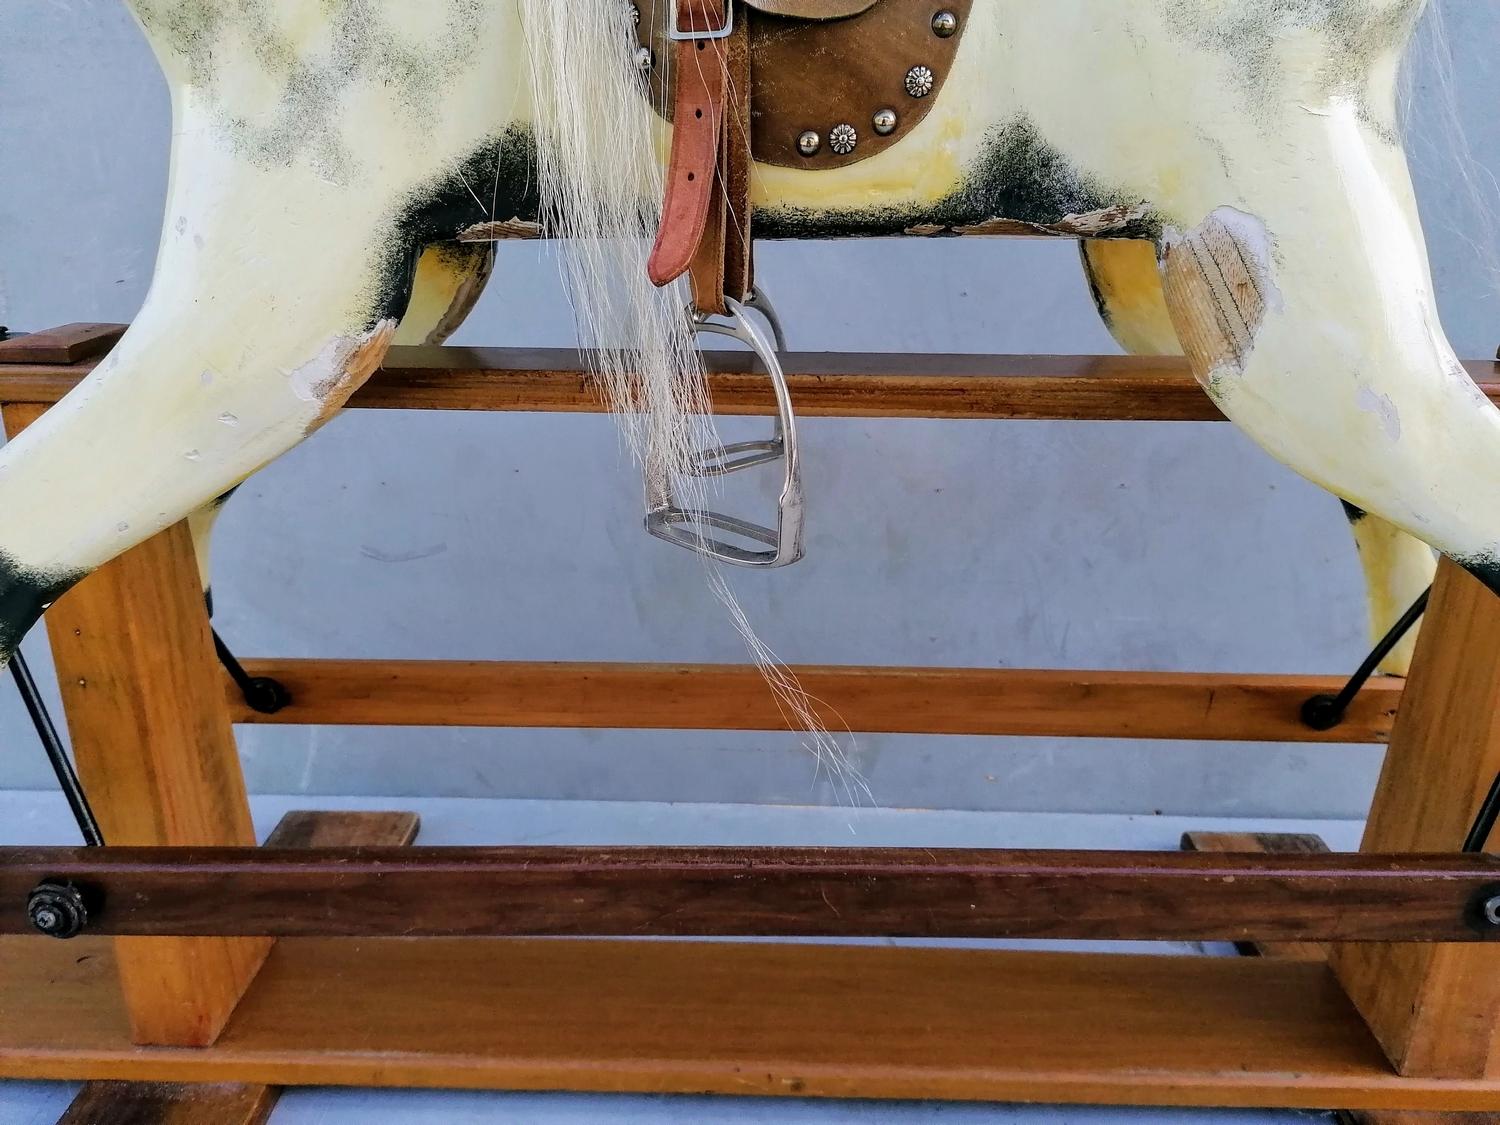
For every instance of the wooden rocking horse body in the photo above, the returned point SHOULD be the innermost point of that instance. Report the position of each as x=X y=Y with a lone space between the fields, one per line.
x=334 y=164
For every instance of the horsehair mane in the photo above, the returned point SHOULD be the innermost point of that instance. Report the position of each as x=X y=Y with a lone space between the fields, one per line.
x=601 y=175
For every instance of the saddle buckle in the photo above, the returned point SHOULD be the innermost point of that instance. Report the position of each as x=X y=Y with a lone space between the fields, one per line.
x=678 y=34
x=692 y=528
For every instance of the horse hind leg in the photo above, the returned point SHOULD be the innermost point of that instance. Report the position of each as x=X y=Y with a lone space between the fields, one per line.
x=1127 y=288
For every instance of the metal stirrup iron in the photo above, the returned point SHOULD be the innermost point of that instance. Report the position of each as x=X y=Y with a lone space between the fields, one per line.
x=692 y=528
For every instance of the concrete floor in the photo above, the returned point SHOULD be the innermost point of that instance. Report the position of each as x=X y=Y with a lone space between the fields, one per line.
x=32 y=818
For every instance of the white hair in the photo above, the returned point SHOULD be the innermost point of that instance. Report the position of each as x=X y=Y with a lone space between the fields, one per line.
x=602 y=188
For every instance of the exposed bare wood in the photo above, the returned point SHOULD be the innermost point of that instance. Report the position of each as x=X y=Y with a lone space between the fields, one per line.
x=1435 y=1009
x=1167 y=705
x=824 y=384
x=778 y=892
x=663 y=1017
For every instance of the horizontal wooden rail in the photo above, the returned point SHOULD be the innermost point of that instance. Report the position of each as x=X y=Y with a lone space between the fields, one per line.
x=789 y=892
x=823 y=384
x=982 y=701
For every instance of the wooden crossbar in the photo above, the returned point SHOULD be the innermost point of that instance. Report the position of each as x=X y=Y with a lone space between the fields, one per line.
x=784 y=892
x=1225 y=707
x=823 y=384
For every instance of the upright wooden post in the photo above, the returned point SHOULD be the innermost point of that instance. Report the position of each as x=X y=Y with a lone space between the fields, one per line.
x=155 y=749
x=1435 y=1009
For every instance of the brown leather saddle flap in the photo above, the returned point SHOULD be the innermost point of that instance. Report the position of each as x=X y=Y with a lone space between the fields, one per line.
x=814 y=71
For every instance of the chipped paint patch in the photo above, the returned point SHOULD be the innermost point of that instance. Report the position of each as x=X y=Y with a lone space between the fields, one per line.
x=1220 y=286
x=501 y=230
x=1373 y=402
x=340 y=369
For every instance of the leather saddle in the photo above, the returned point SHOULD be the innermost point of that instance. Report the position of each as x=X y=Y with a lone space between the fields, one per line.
x=811 y=84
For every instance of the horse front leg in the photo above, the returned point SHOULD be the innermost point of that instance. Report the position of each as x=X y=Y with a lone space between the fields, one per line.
x=245 y=345
x=449 y=281
x=1297 y=278
x=1127 y=289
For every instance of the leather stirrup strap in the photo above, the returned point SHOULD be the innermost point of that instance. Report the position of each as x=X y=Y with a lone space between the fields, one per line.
x=706 y=214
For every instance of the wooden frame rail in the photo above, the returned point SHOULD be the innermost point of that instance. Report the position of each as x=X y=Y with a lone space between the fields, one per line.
x=823 y=384
x=1225 y=707
x=775 y=892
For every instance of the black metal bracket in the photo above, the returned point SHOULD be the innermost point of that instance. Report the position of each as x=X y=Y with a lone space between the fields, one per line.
x=263 y=694
x=1325 y=712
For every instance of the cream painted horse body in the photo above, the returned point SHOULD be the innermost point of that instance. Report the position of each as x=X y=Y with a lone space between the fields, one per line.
x=319 y=148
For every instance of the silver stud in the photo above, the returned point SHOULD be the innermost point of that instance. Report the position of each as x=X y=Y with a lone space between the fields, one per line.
x=635 y=15
x=945 y=24
x=809 y=143
x=645 y=60
x=842 y=138
x=885 y=122
x=919 y=81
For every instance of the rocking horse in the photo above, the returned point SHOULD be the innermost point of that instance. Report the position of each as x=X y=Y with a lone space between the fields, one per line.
x=339 y=172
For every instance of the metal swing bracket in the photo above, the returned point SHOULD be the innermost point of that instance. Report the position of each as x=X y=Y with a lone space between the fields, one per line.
x=694 y=528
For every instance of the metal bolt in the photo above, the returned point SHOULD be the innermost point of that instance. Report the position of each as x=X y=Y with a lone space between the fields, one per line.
x=645 y=59
x=945 y=24
x=1492 y=911
x=809 y=143
x=57 y=910
x=885 y=122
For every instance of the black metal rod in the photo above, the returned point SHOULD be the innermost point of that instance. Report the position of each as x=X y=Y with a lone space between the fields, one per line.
x=1324 y=712
x=57 y=754
x=262 y=693
x=1484 y=823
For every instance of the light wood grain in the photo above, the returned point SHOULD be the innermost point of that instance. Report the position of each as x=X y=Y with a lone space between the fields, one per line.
x=823 y=384
x=166 y=1103
x=1435 y=1009
x=155 y=751
x=740 y=1019
x=1004 y=701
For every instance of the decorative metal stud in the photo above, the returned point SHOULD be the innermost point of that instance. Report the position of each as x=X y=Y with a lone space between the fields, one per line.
x=919 y=81
x=945 y=24
x=842 y=138
x=635 y=16
x=885 y=122
x=645 y=60
x=809 y=143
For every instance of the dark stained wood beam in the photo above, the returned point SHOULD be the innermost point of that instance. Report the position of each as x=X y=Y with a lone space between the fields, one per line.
x=787 y=892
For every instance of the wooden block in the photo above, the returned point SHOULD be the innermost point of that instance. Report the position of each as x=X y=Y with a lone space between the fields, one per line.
x=1267 y=843
x=1414 y=1117
x=1435 y=1009
x=162 y=1103
x=69 y=344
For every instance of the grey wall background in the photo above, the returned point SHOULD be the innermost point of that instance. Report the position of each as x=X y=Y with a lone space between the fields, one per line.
x=517 y=536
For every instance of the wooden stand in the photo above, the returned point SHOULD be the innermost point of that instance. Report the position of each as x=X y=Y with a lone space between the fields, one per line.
x=1395 y=1027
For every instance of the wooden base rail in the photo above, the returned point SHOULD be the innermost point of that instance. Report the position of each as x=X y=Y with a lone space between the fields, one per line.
x=980 y=701
x=823 y=384
x=787 y=892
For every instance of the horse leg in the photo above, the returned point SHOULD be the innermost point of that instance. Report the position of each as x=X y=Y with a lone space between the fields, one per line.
x=1127 y=288
x=450 y=279
x=1297 y=276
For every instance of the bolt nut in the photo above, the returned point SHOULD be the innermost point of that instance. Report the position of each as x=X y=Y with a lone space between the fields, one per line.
x=885 y=122
x=809 y=143
x=1490 y=908
x=945 y=24
x=57 y=910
